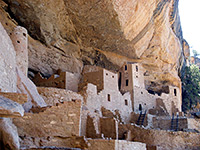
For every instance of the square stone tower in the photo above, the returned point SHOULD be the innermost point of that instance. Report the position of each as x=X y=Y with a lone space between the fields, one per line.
x=131 y=76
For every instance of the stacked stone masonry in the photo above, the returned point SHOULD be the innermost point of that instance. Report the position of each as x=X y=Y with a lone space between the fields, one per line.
x=62 y=120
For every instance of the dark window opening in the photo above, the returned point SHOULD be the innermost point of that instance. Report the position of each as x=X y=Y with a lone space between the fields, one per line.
x=127 y=82
x=24 y=34
x=120 y=81
x=175 y=93
x=136 y=68
x=112 y=76
x=126 y=102
x=125 y=67
x=140 y=107
x=18 y=41
x=136 y=76
x=106 y=73
x=109 y=97
x=141 y=92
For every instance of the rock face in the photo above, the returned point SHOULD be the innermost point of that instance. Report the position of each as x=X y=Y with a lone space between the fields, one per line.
x=103 y=33
x=26 y=86
x=9 y=134
x=8 y=76
x=9 y=108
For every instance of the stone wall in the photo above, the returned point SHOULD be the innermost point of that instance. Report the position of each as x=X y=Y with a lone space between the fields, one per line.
x=193 y=124
x=8 y=77
x=63 y=80
x=165 y=140
x=164 y=123
x=52 y=96
x=95 y=78
x=109 y=128
x=172 y=101
x=62 y=120
x=100 y=144
x=110 y=99
x=19 y=38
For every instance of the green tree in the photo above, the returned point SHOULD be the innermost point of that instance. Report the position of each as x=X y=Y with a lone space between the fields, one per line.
x=190 y=87
x=195 y=53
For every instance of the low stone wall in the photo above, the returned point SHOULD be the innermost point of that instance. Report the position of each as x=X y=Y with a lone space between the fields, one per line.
x=165 y=140
x=52 y=96
x=101 y=144
x=62 y=120
x=164 y=123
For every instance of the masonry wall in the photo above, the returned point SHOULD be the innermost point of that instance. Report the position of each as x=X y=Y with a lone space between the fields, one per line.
x=109 y=128
x=171 y=101
x=115 y=145
x=193 y=124
x=52 y=96
x=164 y=123
x=72 y=81
x=110 y=99
x=62 y=120
x=96 y=78
x=125 y=75
x=110 y=80
x=143 y=98
x=55 y=80
x=165 y=140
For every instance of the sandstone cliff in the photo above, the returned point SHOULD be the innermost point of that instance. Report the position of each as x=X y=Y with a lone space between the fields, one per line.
x=70 y=34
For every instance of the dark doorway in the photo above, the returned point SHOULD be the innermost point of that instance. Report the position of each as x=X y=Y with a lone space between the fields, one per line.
x=140 y=107
x=120 y=81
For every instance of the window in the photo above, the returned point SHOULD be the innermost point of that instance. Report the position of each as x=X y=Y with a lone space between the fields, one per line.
x=109 y=97
x=136 y=68
x=127 y=82
x=106 y=73
x=175 y=93
x=136 y=76
x=126 y=102
x=112 y=76
x=125 y=67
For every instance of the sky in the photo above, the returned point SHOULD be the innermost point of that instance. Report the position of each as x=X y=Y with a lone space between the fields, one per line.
x=189 y=11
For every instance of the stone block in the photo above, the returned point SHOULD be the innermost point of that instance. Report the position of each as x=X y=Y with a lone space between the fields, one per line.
x=9 y=108
x=26 y=86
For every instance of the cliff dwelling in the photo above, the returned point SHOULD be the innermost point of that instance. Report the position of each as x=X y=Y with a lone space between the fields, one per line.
x=93 y=75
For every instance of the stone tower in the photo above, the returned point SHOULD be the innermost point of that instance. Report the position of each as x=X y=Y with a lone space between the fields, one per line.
x=19 y=38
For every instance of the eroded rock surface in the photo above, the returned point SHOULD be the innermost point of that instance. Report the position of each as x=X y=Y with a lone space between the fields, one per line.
x=9 y=135
x=8 y=76
x=26 y=86
x=104 y=33
x=9 y=108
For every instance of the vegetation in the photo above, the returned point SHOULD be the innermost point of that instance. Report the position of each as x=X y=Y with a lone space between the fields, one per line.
x=191 y=87
x=195 y=53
